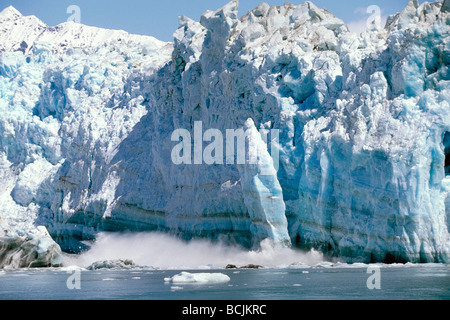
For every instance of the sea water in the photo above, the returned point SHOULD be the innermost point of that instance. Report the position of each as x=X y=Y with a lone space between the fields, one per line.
x=400 y=282
x=283 y=274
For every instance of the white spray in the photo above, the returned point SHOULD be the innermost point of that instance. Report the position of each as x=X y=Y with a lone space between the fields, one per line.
x=167 y=252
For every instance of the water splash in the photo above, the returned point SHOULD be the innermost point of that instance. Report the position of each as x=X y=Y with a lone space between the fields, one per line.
x=168 y=252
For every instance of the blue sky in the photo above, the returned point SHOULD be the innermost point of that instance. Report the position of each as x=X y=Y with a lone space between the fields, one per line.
x=160 y=18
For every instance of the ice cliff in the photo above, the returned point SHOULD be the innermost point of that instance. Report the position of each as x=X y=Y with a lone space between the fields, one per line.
x=86 y=118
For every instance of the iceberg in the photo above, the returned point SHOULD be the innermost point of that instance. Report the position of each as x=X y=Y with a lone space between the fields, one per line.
x=204 y=277
x=360 y=170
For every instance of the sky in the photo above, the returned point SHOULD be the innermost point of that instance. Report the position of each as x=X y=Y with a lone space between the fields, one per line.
x=160 y=18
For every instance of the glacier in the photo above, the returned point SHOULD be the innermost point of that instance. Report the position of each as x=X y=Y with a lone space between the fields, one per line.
x=87 y=114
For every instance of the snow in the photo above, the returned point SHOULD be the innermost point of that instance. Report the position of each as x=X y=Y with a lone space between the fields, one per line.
x=21 y=33
x=87 y=114
x=187 y=277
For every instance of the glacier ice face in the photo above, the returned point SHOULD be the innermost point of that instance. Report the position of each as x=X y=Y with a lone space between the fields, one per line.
x=56 y=100
x=86 y=118
x=261 y=190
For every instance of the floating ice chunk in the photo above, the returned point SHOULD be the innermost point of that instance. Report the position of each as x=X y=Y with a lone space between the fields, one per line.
x=112 y=264
x=187 y=277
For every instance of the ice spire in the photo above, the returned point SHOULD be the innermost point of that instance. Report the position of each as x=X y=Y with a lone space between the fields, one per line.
x=10 y=12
